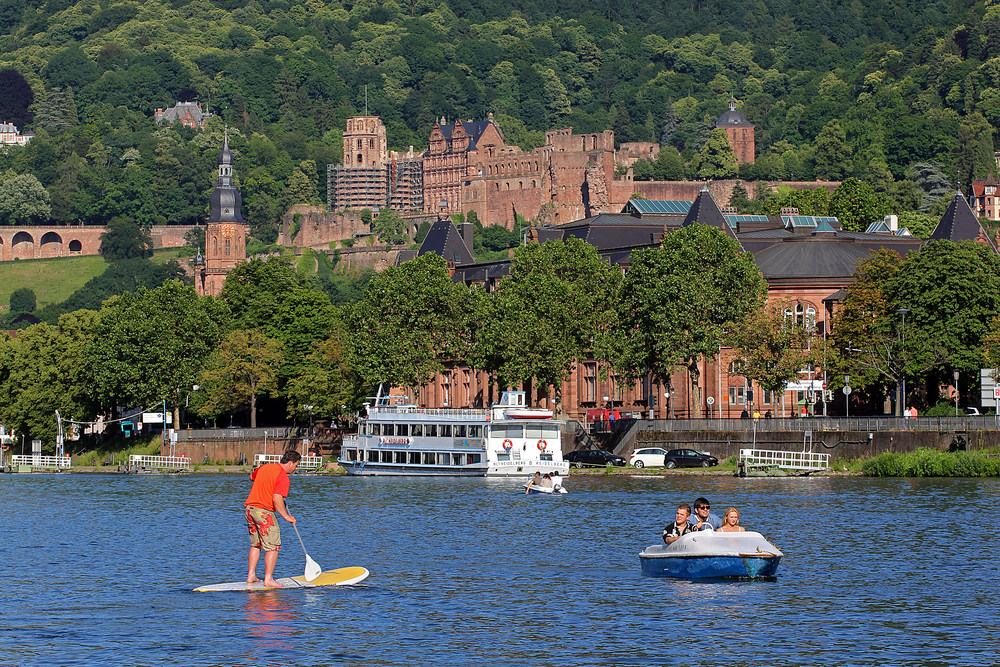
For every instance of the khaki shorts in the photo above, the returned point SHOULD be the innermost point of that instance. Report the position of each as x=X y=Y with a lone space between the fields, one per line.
x=264 y=531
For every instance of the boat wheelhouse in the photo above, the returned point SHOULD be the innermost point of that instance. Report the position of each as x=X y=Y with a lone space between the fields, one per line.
x=510 y=439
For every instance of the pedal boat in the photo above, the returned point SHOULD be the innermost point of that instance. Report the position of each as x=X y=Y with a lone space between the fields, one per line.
x=712 y=554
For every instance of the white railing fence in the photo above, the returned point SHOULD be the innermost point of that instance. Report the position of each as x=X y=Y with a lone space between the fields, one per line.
x=159 y=462
x=783 y=459
x=39 y=461
x=306 y=463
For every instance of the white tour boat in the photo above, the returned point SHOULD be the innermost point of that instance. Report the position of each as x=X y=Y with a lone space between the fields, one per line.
x=508 y=440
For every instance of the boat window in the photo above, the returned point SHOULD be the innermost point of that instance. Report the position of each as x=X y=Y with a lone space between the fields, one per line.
x=387 y=457
x=503 y=457
x=545 y=456
x=430 y=430
x=458 y=459
x=376 y=428
x=429 y=458
x=350 y=454
x=533 y=432
x=445 y=430
x=503 y=431
x=372 y=456
x=401 y=429
x=460 y=430
x=416 y=429
x=400 y=457
x=443 y=459
x=414 y=458
x=475 y=458
x=475 y=431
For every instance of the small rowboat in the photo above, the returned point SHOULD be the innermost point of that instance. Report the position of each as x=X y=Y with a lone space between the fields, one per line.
x=707 y=554
x=532 y=489
x=528 y=413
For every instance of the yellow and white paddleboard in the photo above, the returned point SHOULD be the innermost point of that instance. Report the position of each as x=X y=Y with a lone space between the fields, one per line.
x=342 y=576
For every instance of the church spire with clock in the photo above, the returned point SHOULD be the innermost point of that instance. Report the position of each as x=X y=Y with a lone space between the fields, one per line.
x=225 y=233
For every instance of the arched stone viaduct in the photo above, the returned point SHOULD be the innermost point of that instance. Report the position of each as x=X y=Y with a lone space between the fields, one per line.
x=43 y=242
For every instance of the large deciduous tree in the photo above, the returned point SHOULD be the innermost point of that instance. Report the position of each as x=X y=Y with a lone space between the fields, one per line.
x=409 y=323
x=679 y=303
x=773 y=346
x=149 y=345
x=24 y=201
x=543 y=317
x=832 y=153
x=16 y=97
x=716 y=159
x=40 y=373
x=125 y=239
x=952 y=291
x=243 y=367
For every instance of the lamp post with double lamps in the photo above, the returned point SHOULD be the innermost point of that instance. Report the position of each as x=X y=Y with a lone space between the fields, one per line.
x=956 y=391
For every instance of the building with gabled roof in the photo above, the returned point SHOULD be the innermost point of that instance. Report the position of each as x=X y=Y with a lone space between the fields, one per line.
x=984 y=200
x=10 y=136
x=959 y=223
x=188 y=114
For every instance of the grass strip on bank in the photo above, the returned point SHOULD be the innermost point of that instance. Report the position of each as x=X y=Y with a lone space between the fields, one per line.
x=933 y=463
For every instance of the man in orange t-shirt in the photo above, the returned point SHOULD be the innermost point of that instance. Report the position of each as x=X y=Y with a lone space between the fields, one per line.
x=267 y=496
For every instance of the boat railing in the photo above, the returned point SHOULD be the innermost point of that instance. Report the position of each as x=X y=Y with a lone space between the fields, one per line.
x=306 y=463
x=463 y=413
x=770 y=458
x=138 y=461
x=39 y=461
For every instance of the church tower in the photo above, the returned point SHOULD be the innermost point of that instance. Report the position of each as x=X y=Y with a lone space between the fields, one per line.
x=225 y=233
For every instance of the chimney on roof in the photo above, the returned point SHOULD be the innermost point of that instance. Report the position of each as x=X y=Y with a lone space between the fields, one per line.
x=465 y=231
x=892 y=222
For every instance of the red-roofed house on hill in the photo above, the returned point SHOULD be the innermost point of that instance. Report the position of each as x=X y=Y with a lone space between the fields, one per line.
x=188 y=114
x=985 y=199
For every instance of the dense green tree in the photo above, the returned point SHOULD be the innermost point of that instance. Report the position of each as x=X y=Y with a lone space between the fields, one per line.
x=389 y=227
x=544 y=315
x=40 y=372
x=409 y=323
x=148 y=345
x=57 y=112
x=832 y=153
x=773 y=347
x=953 y=292
x=679 y=302
x=23 y=201
x=972 y=155
x=716 y=160
x=124 y=239
x=856 y=205
x=243 y=367
x=22 y=300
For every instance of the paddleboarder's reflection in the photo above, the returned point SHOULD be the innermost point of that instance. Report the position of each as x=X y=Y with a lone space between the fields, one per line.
x=271 y=623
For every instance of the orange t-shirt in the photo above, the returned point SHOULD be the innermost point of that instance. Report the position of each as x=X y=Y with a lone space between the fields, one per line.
x=268 y=480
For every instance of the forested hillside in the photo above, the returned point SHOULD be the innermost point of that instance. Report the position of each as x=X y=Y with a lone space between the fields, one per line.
x=898 y=93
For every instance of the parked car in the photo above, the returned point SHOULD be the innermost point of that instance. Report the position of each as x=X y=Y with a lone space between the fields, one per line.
x=688 y=458
x=594 y=457
x=647 y=456
x=972 y=411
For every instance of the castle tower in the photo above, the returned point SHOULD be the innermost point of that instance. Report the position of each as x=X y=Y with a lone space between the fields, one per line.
x=365 y=144
x=740 y=132
x=225 y=233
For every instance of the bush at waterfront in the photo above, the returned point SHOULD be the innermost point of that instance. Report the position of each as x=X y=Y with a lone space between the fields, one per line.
x=932 y=463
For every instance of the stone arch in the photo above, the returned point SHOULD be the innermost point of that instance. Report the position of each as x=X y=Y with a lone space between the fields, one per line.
x=75 y=246
x=50 y=245
x=22 y=246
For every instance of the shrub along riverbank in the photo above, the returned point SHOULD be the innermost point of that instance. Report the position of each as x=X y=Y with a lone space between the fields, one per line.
x=933 y=463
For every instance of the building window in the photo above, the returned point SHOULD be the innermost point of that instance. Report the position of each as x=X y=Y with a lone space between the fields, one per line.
x=737 y=395
x=446 y=388
x=227 y=247
x=590 y=382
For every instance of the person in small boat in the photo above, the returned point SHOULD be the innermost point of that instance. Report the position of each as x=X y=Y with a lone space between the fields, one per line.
x=731 y=521
x=680 y=525
x=556 y=480
x=703 y=518
x=546 y=481
x=534 y=480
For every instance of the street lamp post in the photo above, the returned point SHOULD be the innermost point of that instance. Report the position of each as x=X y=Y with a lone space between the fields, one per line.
x=847 y=396
x=902 y=397
x=956 y=392
x=666 y=403
x=605 y=422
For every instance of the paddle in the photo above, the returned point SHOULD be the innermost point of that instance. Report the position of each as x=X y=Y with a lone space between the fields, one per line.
x=313 y=569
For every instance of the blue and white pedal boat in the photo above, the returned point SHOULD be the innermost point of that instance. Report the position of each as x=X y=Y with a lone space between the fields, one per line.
x=713 y=554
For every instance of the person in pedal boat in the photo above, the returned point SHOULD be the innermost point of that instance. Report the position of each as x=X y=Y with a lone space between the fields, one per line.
x=267 y=496
x=680 y=526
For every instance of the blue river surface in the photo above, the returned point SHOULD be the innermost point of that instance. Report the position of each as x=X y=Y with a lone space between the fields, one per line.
x=98 y=569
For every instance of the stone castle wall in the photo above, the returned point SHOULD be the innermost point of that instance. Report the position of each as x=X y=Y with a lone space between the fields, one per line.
x=41 y=242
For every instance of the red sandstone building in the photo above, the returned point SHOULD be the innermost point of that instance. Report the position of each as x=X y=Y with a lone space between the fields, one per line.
x=807 y=262
x=985 y=198
x=740 y=132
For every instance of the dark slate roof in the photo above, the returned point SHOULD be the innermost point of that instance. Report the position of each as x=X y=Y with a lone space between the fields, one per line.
x=482 y=273
x=733 y=118
x=444 y=239
x=959 y=223
x=473 y=128
x=705 y=211
x=225 y=203
x=810 y=257
x=611 y=230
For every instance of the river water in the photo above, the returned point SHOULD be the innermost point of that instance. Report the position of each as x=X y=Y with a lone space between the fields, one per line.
x=98 y=569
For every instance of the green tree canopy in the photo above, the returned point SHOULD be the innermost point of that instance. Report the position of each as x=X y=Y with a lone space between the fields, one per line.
x=243 y=367
x=125 y=239
x=23 y=201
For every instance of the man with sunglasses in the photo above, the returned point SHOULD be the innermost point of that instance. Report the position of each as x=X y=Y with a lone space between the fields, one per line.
x=703 y=519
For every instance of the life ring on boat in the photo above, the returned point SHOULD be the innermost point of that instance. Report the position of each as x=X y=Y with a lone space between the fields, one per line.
x=542 y=445
x=507 y=445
